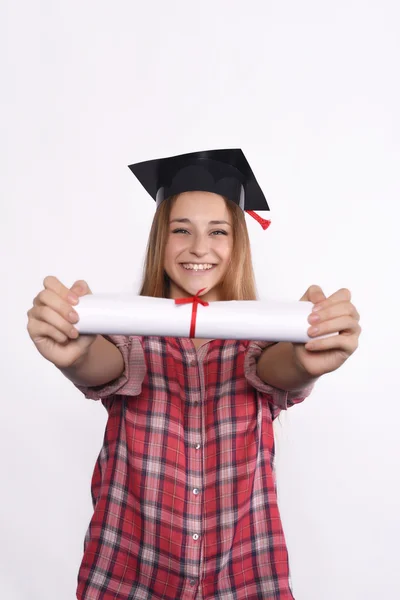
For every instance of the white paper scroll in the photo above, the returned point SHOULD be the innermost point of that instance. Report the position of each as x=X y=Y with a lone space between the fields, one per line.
x=129 y=314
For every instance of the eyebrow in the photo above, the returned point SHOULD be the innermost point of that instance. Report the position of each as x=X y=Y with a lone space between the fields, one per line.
x=210 y=222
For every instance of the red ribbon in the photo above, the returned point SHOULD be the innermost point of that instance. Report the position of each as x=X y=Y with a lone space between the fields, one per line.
x=263 y=222
x=195 y=300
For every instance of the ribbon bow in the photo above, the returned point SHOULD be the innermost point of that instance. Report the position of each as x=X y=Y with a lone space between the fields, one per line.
x=195 y=300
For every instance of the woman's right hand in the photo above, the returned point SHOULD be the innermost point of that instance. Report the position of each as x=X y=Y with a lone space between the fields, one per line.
x=50 y=324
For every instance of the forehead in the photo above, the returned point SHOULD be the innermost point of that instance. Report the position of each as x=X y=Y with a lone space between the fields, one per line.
x=201 y=205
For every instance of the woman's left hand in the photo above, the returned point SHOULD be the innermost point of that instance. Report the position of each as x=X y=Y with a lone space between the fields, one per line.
x=336 y=314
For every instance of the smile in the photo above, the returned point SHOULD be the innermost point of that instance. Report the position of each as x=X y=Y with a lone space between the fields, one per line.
x=196 y=267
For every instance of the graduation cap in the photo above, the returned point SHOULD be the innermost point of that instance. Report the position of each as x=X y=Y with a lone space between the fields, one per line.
x=223 y=172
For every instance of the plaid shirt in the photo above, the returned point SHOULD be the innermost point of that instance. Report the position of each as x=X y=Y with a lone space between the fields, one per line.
x=184 y=491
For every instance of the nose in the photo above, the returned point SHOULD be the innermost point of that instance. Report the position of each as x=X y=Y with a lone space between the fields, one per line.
x=199 y=246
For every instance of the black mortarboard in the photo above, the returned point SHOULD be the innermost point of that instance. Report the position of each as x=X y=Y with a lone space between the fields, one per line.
x=224 y=172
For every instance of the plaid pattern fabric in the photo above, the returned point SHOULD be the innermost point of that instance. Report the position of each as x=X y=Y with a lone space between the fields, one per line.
x=184 y=489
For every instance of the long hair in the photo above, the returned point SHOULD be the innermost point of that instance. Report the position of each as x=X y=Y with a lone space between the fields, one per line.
x=238 y=282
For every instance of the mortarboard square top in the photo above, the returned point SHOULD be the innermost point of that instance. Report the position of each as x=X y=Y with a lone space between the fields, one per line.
x=224 y=172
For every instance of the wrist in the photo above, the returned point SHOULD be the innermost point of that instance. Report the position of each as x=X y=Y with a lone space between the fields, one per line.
x=85 y=355
x=301 y=370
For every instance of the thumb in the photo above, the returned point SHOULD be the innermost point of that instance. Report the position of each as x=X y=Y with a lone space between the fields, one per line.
x=314 y=294
x=80 y=288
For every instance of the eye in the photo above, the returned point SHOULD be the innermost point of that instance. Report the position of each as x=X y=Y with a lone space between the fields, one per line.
x=219 y=232
x=180 y=231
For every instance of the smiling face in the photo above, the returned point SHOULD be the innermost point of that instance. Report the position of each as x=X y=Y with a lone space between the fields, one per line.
x=199 y=245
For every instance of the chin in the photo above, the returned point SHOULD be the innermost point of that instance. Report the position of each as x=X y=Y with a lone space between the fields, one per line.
x=192 y=287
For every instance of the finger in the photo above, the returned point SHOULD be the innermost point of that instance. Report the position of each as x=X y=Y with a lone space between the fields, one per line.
x=314 y=294
x=346 y=325
x=55 y=285
x=44 y=314
x=347 y=343
x=80 y=288
x=336 y=310
x=49 y=298
x=40 y=330
x=54 y=310
x=342 y=295
x=40 y=299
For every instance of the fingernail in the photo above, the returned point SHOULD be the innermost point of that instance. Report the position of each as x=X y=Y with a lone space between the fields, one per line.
x=313 y=318
x=73 y=299
x=316 y=307
x=73 y=316
x=313 y=330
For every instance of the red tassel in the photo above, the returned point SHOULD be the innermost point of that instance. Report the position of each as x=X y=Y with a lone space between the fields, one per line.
x=263 y=222
x=195 y=300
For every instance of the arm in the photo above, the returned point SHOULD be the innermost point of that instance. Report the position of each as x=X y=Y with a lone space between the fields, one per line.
x=277 y=366
x=103 y=363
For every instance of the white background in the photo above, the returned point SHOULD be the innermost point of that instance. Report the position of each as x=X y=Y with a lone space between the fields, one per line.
x=310 y=91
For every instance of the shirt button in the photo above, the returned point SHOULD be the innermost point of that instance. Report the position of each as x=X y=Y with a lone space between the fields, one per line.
x=197 y=446
x=192 y=581
x=196 y=491
x=195 y=536
x=195 y=403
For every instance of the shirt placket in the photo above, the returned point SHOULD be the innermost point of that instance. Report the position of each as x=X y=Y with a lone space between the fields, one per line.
x=195 y=440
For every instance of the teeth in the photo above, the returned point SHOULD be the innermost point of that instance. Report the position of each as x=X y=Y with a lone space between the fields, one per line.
x=196 y=267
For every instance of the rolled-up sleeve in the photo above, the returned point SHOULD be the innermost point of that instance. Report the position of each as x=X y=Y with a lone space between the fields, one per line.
x=130 y=381
x=281 y=399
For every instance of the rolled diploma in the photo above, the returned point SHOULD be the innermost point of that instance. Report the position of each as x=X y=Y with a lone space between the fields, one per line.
x=129 y=314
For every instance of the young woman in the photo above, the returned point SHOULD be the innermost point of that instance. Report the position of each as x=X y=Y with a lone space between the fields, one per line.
x=183 y=490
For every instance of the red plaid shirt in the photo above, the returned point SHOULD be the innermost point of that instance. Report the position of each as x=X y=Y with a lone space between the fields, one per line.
x=184 y=491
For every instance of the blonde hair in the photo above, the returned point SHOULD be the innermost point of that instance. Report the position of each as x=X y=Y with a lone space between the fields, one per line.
x=238 y=283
